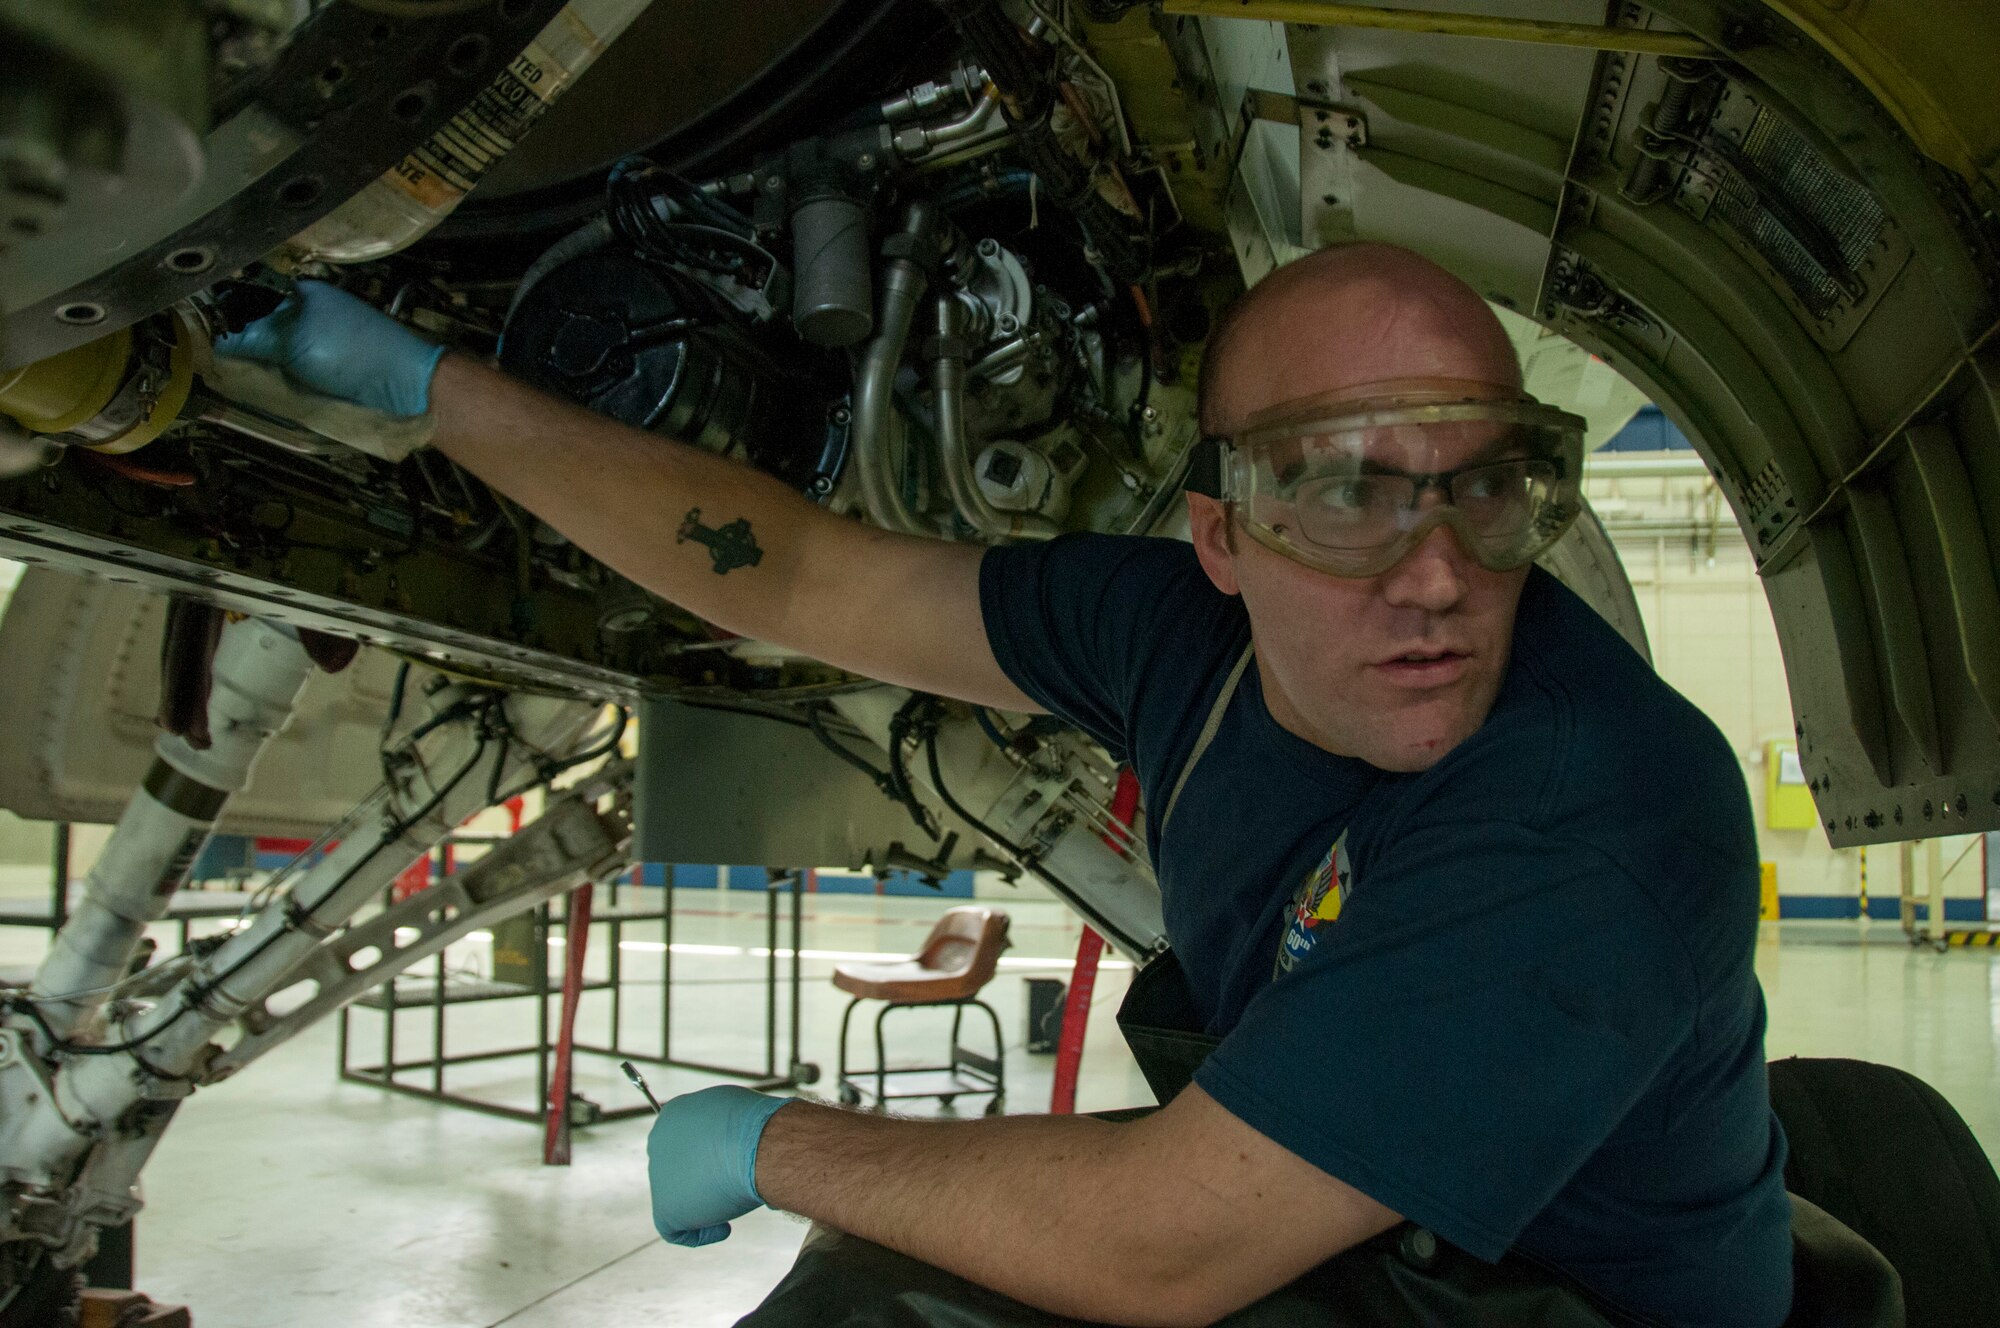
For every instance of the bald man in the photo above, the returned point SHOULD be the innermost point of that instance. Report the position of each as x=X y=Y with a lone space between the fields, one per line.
x=1463 y=894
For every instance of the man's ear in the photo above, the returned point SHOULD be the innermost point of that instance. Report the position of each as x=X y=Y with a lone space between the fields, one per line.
x=1214 y=541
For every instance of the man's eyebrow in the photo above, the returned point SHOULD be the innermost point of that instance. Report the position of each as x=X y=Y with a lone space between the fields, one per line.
x=1496 y=450
x=1510 y=441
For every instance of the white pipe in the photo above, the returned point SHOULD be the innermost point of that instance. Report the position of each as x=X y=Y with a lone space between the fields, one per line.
x=259 y=671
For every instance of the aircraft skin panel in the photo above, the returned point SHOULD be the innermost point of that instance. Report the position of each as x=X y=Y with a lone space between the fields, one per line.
x=1931 y=66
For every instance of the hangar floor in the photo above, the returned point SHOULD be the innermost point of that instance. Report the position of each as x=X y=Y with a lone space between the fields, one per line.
x=288 y=1198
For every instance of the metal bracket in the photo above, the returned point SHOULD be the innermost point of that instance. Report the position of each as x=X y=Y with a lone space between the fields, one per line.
x=1325 y=120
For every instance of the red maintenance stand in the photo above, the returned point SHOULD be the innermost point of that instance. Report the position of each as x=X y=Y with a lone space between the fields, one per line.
x=1089 y=950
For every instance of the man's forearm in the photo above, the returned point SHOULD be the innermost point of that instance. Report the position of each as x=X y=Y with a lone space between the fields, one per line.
x=1052 y=1210
x=626 y=497
x=727 y=542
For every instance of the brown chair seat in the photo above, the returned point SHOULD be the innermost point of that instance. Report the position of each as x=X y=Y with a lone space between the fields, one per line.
x=959 y=957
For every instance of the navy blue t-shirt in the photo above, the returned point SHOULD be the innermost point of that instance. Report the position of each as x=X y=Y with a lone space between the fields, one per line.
x=1511 y=996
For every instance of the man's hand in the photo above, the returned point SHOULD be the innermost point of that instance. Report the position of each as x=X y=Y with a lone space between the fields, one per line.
x=702 y=1160
x=327 y=341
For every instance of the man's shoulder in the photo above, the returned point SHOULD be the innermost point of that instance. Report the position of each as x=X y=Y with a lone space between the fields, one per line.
x=1586 y=742
x=1622 y=731
x=1091 y=626
x=1084 y=550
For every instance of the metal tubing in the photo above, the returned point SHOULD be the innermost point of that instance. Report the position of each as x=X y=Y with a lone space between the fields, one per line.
x=984 y=123
x=259 y=670
x=60 y=869
x=903 y=283
x=948 y=378
x=1587 y=35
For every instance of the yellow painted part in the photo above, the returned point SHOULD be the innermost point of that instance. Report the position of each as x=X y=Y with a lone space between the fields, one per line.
x=1593 y=37
x=1767 y=898
x=1786 y=806
x=59 y=393
x=167 y=409
x=1931 y=65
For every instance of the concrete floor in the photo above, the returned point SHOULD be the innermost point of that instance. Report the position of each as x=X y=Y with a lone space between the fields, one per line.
x=285 y=1197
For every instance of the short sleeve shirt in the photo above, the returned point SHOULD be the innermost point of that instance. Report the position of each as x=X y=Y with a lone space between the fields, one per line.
x=1509 y=997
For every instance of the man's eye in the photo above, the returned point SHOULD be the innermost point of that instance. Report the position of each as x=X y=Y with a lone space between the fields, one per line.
x=1348 y=495
x=1492 y=482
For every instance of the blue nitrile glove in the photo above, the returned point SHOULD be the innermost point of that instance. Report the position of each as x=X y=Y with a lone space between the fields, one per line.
x=327 y=341
x=702 y=1160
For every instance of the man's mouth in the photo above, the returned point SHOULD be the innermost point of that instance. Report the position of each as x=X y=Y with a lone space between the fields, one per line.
x=1425 y=668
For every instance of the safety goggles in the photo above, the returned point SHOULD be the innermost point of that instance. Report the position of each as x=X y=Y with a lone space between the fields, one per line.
x=1351 y=486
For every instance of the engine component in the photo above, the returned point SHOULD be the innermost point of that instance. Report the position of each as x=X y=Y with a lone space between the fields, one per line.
x=620 y=335
x=1027 y=98
x=998 y=298
x=610 y=332
x=114 y=394
x=316 y=128
x=948 y=382
x=1014 y=477
x=404 y=203
x=97 y=100
x=1030 y=812
x=833 y=299
x=825 y=187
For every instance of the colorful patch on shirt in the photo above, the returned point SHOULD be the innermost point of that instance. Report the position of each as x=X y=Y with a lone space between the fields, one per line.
x=1318 y=901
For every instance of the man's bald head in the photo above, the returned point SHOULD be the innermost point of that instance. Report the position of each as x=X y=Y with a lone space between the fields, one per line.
x=1344 y=317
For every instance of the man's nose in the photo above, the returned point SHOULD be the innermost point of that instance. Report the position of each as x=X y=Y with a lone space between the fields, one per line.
x=1431 y=576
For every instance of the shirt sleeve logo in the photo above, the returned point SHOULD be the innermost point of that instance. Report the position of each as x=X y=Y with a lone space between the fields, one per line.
x=1318 y=901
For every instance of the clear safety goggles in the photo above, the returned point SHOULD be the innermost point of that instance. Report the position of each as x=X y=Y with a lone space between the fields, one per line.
x=1351 y=486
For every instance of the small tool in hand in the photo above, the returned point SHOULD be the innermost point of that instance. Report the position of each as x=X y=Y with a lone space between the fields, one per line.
x=639 y=1082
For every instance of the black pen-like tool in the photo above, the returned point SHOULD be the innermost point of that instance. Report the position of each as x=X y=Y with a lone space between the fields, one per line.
x=639 y=1082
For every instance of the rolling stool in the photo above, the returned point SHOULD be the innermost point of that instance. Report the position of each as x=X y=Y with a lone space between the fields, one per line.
x=957 y=960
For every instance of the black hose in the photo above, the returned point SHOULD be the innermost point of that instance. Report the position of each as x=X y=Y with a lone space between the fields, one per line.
x=914 y=717
x=879 y=778
x=989 y=728
x=546 y=770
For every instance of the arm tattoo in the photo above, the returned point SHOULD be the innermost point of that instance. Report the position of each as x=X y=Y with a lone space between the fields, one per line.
x=731 y=546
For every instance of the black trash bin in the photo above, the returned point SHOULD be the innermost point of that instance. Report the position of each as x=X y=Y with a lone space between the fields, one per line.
x=1045 y=1013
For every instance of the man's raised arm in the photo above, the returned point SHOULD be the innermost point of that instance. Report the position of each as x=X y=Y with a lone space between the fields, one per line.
x=721 y=540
